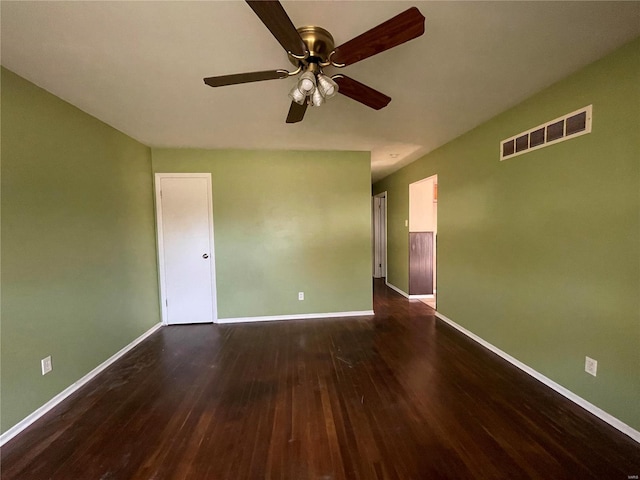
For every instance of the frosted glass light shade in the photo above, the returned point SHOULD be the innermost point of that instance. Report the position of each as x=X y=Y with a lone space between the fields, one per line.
x=316 y=98
x=307 y=83
x=297 y=96
x=327 y=86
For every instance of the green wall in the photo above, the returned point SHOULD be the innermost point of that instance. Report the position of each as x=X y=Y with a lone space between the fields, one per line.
x=540 y=254
x=79 y=277
x=286 y=222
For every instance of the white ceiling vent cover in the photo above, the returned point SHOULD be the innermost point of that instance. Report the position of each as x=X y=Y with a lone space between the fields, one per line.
x=558 y=130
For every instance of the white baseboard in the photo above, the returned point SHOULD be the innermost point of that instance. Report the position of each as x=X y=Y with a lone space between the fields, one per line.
x=401 y=292
x=590 y=407
x=299 y=316
x=28 y=420
x=406 y=295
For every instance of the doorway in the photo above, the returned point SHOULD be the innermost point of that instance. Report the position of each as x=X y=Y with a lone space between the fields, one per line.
x=423 y=232
x=379 y=215
x=186 y=261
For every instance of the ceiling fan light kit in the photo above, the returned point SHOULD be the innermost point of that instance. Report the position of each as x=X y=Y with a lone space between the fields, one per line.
x=326 y=85
x=316 y=99
x=297 y=96
x=311 y=48
x=313 y=88
x=307 y=82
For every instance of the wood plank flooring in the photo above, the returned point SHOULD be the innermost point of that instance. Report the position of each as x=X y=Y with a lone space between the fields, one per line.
x=397 y=396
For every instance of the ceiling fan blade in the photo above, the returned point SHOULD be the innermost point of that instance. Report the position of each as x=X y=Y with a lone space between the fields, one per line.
x=296 y=112
x=237 y=78
x=360 y=92
x=279 y=24
x=395 y=31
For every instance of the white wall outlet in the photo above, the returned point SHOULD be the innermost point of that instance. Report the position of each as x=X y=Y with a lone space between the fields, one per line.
x=591 y=366
x=46 y=365
x=300 y=295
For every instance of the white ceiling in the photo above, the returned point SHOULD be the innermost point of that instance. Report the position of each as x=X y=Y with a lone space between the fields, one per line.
x=138 y=66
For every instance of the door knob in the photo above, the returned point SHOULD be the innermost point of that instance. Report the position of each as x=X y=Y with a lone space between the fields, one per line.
x=205 y=255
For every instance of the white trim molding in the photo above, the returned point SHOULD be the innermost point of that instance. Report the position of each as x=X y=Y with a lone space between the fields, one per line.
x=298 y=316
x=588 y=406
x=418 y=297
x=29 y=419
x=406 y=295
x=401 y=292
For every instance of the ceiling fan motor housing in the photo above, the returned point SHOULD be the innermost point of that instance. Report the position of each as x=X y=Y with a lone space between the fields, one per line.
x=319 y=43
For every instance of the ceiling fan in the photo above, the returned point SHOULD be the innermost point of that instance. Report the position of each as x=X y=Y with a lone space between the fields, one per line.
x=311 y=48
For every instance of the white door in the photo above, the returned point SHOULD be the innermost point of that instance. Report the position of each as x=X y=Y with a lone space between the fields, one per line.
x=379 y=236
x=185 y=248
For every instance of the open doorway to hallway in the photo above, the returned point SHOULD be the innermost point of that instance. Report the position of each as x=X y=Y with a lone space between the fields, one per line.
x=423 y=232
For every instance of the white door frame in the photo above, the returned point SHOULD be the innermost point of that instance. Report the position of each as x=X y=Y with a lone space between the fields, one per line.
x=160 y=243
x=377 y=238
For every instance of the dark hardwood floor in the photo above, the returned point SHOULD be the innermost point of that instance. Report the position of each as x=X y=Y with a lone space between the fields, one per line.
x=400 y=396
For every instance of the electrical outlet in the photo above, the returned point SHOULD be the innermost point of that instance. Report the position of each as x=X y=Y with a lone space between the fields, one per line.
x=300 y=295
x=406 y=223
x=591 y=366
x=46 y=365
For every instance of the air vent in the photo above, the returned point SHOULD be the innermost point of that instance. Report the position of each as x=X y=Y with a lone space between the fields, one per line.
x=558 y=130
